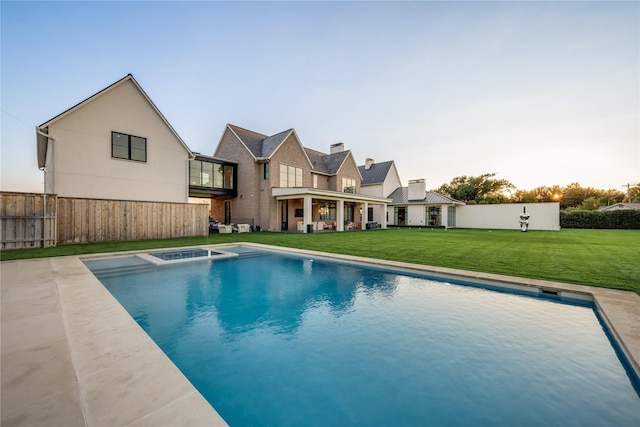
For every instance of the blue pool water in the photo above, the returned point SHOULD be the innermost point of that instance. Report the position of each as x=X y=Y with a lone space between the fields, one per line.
x=278 y=340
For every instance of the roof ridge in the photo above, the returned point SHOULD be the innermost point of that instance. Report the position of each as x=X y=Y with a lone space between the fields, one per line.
x=248 y=130
x=316 y=151
x=280 y=133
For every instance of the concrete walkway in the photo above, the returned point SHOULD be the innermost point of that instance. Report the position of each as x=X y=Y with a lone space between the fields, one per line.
x=72 y=356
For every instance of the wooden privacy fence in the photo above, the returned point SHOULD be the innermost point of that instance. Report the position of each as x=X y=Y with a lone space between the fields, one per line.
x=91 y=220
x=27 y=220
x=75 y=220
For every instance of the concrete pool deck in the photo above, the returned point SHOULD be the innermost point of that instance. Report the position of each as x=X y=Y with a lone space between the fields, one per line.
x=72 y=356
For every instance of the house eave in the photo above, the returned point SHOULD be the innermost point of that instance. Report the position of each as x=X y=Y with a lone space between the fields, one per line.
x=281 y=193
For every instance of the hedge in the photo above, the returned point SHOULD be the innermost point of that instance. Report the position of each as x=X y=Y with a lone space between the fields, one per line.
x=618 y=219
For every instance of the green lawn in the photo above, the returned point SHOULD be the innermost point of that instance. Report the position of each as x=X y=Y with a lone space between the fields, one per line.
x=607 y=258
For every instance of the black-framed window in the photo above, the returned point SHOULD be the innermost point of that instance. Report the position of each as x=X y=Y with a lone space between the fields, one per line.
x=210 y=175
x=128 y=147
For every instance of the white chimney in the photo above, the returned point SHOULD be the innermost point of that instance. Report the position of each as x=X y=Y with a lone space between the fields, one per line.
x=337 y=148
x=368 y=162
x=417 y=189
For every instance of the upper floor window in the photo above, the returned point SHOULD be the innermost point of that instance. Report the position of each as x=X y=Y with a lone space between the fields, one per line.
x=128 y=147
x=290 y=176
x=265 y=171
x=348 y=185
x=210 y=175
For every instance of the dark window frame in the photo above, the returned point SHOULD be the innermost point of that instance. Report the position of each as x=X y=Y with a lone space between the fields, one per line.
x=129 y=147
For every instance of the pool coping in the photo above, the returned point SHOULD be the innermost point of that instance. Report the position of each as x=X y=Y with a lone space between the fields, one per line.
x=72 y=355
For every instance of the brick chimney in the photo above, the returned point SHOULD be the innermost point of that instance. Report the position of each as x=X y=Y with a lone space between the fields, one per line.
x=417 y=189
x=337 y=148
x=368 y=162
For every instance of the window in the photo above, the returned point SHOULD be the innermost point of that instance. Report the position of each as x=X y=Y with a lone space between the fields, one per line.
x=315 y=181
x=327 y=211
x=349 y=210
x=290 y=176
x=348 y=185
x=228 y=177
x=399 y=213
x=451 y=216
x=434 y=217
x=265 y=171
x=210 y=175
x=128 y=147
x=195 y=173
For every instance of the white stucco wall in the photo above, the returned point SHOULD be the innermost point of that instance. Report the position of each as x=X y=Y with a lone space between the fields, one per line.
x=83 y=166
x=416 y=214
x=543 y=216
x=391 y=182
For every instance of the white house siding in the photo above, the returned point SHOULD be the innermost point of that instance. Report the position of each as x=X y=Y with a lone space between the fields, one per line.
x=384 y=189
x=543 y=216
x=83 y=166
x=416 y=214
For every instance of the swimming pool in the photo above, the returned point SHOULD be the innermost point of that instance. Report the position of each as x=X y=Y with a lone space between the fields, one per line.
x=273 y=339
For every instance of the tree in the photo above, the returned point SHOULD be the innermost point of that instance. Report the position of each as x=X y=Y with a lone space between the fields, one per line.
x=634 y=194
x=590 y=204
x=477 y=189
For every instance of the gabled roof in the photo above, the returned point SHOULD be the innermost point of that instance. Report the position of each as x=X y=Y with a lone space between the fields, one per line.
x=328 y=164
x=128 y=77
x=252 y=140
x=263 y=147
x=400 y=196
x=376 y=174
x=271 y=144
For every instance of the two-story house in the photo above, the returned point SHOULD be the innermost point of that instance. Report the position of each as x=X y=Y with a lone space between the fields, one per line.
x=283 y=186
x=114 y=145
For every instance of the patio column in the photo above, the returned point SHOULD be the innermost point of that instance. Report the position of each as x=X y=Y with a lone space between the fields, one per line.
x=307 y=215
x=383 y=217
x=365 y=215
x=444 y=215
x=340 y=215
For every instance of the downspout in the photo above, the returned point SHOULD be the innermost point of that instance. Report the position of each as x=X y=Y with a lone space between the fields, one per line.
x=44 y=193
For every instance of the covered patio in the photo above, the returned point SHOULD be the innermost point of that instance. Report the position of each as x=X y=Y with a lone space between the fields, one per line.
x=310 y=209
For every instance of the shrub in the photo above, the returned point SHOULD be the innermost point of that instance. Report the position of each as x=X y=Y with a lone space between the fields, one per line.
x=618 y=219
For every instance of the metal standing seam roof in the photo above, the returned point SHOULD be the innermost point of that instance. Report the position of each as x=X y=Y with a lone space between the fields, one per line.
x=400 y=196
x=376 y=174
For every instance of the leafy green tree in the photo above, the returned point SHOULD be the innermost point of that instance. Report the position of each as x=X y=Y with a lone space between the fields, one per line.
x=523 y=196
x=478 y=189
x=634 y=194
x=590 y=204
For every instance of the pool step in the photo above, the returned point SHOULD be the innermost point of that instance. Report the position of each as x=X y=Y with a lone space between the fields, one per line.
x=107 y=272
x=252 y=254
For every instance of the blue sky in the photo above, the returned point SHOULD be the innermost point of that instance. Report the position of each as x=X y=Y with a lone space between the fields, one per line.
x=541 y=93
